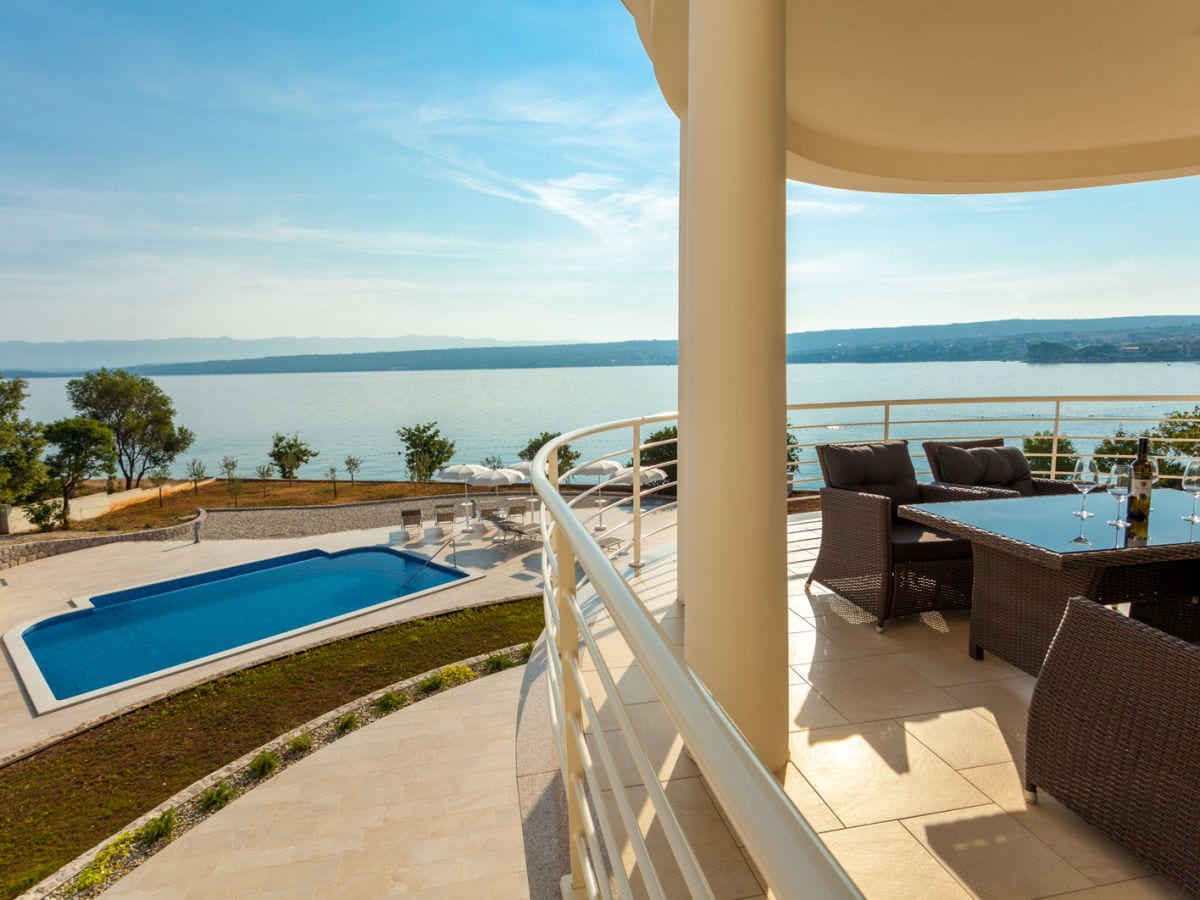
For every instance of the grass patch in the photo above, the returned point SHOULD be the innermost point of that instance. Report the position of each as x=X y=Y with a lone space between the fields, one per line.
x=345 y=724
x=498 y=662
x=264 y=764
x=58 y=802
x=218 y=796
x=161 y=827
x=300 y=744
x=389 y=702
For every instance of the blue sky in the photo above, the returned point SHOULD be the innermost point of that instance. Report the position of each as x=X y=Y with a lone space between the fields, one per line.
x=480 y=169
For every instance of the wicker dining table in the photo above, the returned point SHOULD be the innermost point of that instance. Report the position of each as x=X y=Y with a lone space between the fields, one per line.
x=1031 y=555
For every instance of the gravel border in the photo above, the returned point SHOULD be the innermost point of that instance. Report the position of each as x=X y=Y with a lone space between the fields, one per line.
x=237 y=775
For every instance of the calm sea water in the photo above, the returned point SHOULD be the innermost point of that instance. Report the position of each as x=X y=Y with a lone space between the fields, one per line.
x=496 y=412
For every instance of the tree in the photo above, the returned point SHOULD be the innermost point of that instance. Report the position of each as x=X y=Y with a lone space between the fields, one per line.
x=289 y=454
x=1178 y=440
x=492 y=462
x=22 y=473
x=666 y=454
x=229 y=466
x=141 y=416
x=566 y=456
x=234 y=485
x=332 y=476
x=85 y=448
x=352 y=464
x=265 y=474
x=1109 y=452
x=1042 y=443
x=195 y=473
x=425 y=450
x=159 y=477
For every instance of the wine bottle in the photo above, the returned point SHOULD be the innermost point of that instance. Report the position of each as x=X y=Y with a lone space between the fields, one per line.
x=1141 y=484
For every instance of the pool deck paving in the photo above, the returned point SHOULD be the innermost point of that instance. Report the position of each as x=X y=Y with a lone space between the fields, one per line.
x=43 y=588
x=422 y=802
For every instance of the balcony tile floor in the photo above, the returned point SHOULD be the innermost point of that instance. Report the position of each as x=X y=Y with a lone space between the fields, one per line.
x=905 y=755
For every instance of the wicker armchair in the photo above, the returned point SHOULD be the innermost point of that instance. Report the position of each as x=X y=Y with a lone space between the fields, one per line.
x=987 y=465
x=889 y=566
x=1114 y=734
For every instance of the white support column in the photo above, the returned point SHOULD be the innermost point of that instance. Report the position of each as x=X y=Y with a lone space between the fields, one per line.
x=733 y=550
x=683 y=523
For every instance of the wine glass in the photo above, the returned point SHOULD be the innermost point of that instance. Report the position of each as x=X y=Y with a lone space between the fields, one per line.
x=1191 y=484
x=1085 y=479
x=1118 y=486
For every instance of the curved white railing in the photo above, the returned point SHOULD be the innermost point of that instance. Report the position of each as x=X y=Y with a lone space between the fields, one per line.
x=789 y=855
x=786 y=849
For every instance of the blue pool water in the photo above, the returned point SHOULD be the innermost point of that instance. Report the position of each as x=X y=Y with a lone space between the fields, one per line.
x=133 y=633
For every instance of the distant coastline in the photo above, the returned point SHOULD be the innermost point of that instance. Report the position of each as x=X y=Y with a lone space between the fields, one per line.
x=1109 y=340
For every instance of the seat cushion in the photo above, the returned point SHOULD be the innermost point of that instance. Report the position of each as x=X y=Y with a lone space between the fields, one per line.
x=882 y=467
x=1004 y=467
x=916 y=543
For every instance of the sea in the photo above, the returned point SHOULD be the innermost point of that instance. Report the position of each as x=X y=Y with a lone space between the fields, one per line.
x=495 y=412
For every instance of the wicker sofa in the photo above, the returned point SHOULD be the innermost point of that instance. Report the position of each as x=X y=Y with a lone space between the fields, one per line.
x=888 y=566
x=1114 y=734
x=987 y=465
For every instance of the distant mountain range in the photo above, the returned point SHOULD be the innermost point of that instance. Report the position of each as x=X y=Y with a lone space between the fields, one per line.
x=76 y=356
x=1122 y=339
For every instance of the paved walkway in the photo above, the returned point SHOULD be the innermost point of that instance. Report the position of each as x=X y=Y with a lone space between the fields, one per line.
x=422 y=803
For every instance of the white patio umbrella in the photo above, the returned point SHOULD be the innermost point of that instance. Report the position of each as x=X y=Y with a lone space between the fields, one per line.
x=463 y=472
x=600 y=468
x=525 y=467
x=496 y=477
x=648 y=476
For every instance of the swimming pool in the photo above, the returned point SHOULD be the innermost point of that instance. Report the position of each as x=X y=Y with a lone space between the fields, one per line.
x=118 y=639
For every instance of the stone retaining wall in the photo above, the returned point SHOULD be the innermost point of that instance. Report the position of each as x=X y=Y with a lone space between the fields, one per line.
x=18 y=553
x=305 y=521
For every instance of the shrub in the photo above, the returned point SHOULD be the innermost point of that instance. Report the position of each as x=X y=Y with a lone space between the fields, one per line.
x=44 y=514
x=264 y=764
x=161 y=827
x=497 y=662
x=388 y=702
x=94 y=874
x=448 y=677
x=345 y=724
x=216 y=797
x=526 y=652
x=300 y=744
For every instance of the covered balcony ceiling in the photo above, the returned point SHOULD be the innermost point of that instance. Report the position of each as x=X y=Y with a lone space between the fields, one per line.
x=974 y=96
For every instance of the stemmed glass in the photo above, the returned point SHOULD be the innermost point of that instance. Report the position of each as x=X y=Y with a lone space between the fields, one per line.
x=1085 y=479
x=1118 y=486
x=1191 y=484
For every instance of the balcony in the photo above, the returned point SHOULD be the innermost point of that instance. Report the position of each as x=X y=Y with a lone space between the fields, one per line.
x=904 y=774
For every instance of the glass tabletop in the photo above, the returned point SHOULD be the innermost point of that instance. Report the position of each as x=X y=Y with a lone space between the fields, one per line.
x=1047 y=522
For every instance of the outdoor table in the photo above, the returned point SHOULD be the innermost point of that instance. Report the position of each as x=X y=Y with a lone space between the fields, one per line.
x=1029 y=559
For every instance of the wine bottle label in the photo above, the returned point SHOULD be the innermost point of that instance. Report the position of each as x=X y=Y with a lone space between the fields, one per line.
x=1139 y=499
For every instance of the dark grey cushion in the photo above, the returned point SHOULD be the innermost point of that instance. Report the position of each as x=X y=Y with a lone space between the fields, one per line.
x=1004 y=467
x=873 y=468
x=916 y=543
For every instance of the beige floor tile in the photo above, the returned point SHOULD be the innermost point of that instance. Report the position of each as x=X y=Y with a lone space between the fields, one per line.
x=806 y=647
x=1083 y=846
x=899 y=636
x=632 y=686
x=808 y=801
x=877 y=771
x=722 y=862
x=660 y=742
x=299 y=878
x=993 y=856
x=885 y=861
x=945 y=666
x=1137 y=889
x=961 y=737
x=510 y=886
x=1004 y=702
x=223 y=888
x=808 y=709
x=408 y=879
x=875 y=687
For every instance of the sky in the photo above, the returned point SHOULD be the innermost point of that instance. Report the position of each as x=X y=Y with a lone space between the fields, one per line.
x=481 y=169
